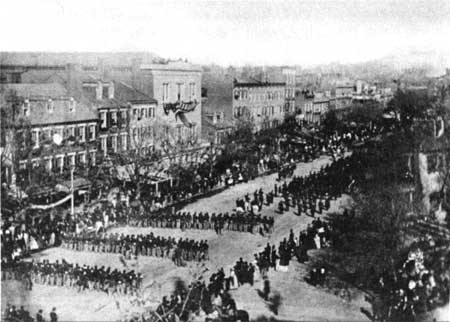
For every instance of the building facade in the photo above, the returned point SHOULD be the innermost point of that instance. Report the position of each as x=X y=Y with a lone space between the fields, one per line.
x=290 y=77
x=56 y=131
x=261 y=102
x=216 y=128
x=177 y=89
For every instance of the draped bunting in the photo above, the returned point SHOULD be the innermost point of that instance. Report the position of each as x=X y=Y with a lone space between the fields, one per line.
x=45 y=207
x=180 y=107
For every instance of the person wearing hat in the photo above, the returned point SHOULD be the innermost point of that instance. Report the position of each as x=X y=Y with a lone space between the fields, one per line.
x=39 y=317
x=53 y=315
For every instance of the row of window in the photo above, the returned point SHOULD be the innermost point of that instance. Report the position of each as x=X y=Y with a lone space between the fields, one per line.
x=61 y=161
x=50 y=106
x=259 y=110
x=80 y=133
x=181 y=94
x=258 y=97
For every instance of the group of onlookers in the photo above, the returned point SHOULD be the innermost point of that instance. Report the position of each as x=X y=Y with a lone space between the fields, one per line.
x=12 y=314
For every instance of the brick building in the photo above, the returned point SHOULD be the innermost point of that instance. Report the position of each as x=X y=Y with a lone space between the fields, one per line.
x=261 y=102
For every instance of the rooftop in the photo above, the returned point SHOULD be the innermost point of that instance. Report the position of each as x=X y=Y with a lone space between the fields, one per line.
x=127 y=93
x=252 y=82
x=174 y=65
x=35 y=91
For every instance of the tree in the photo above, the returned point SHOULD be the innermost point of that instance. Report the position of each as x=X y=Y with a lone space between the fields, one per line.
x=16 y=140
x=137 y=161
x=409 y=105
x=371 y=238
x=330 y=123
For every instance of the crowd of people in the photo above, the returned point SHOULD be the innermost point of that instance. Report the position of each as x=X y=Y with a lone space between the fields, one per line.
x=315 y=236
x=139 y=245
x=12 y=314
x=79 y=277
x=420 y=284
x=213 y=298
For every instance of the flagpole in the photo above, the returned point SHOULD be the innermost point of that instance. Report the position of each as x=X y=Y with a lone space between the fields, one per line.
x=72 y=202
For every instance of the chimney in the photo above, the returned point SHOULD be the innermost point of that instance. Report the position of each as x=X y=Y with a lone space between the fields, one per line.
x=99 y=90
x=222 y=116
x=111 y=90
x=214 y=118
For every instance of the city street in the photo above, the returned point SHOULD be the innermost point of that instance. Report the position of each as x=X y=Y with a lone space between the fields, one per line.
x=300 y=301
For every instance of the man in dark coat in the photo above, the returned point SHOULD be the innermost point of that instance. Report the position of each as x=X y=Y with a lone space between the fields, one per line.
x=53 y=315
x=39 y=317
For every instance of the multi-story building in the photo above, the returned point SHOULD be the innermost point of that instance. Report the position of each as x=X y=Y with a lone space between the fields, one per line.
x=304 y=105
x=216 y=128
x=290 y=76
x=113 y=114
x=141 y=120
x=57 y=131
x=167 y=97
x=344 y=90
x=177 y=88
x=261 y=102
x=321 y=105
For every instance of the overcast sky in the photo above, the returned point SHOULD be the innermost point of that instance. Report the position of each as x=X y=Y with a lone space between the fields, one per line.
x=230 y=32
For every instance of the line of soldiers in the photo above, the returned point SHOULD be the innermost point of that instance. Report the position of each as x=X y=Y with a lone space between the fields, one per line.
x=85 y=277
x=203 y=220
x=312 y=194
x=139 y=245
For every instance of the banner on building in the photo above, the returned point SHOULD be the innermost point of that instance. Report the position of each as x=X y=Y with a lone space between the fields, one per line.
x=53 y=205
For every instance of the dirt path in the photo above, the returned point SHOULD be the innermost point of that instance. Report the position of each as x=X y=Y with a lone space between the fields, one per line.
x=300 y=301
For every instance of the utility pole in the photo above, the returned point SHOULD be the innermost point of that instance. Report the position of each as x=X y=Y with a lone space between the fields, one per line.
x=72 y=202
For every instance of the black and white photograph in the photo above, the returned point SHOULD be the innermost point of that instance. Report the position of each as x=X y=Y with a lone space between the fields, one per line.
x=225 y=160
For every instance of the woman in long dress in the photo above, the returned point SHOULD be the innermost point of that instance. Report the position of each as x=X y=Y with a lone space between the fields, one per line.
x=234 y=280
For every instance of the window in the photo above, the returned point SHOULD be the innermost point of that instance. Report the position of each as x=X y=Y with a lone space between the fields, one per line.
x=35 y=138
x=82 y=158
x=105 y=92
x=192 y=91
x=124 y=141
x=135 y=112
x=72 y=105
x=152 y=112
x=60 y=162
x=103 y=143
x=103 y=119
x=71 y=131
x=59 y=130
x=82 y=133
x=135 y=136
x=165 y=93
x=47 y=134
x=180 y=88
x=92 y=132
x=114 y=143
x=71 y=159
x=92 y=157
x=123 y=118
x=114 y=118
x=50 y=106
x=26 y=108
